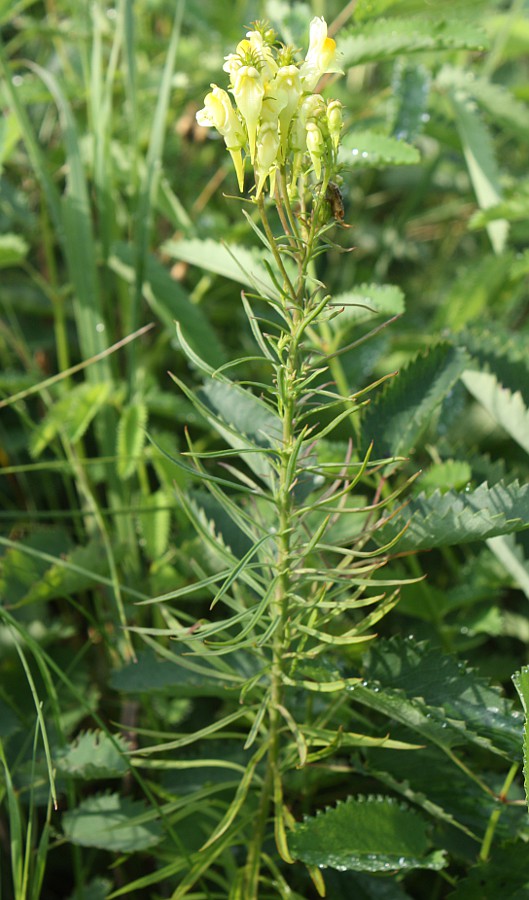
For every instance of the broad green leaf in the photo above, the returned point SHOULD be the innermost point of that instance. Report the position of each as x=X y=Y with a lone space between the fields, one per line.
x=506 y=408
x=371 y=9
x=13 y=250
x=73 y=571
x=398 y=416
x=70 y=416
x=151 y=673
x=366 y=834
x=451 y=474
x=97 y=889
x=94 y=755
x=169 y=301
x=131 y=438
x=365 y=302
x=231 y=261
x=496 y=99
x=384 y=38
x=521 y=683
x=502 y=352
x=434 y=695
x=411 y=86
x=479 y=287
x=113 y=823
x=478 y=149
x=441 y=520
x=505 y=875
x=360 y=149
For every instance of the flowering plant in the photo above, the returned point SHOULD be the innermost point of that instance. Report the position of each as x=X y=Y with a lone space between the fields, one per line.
x=278 y=121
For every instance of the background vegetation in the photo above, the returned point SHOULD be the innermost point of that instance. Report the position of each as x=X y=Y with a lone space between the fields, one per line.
x=115 y=212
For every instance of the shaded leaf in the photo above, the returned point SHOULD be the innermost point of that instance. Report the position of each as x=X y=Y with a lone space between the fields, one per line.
x=399 y=414
x=411 y=86
x=506 y=408
x=365 y=302
x=93 y=755
x=110 y=822
x=366 y=834
x=150 y=673
x=231 y=261
x=506 y=875
x=521 y=683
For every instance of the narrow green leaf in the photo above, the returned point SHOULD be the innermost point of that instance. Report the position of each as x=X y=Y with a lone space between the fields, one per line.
x=365 y=302
x=521 y=683
x=481 y=162
x=155 y=522
x=131 y=438
x=366 y=834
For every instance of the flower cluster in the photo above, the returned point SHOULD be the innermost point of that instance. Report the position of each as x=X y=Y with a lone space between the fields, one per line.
x=277 y=118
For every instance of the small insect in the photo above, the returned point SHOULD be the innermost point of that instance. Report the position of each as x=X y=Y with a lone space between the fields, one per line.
x=333 y=195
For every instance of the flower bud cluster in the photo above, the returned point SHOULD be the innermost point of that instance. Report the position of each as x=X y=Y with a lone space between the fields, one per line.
x=278 y=120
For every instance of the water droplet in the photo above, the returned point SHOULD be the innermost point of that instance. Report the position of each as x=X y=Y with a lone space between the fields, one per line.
x=17 y=80
x=111 y=13
x=355 y=151
x=401 y=861
x=365 y=154
x=425 y=117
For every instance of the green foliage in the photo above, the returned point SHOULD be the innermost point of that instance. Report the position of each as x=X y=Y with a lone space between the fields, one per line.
x=206 y=577
x=367 y=834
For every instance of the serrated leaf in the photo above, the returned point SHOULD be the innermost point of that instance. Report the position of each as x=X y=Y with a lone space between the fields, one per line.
x=70 y=416
x=131 y=436
x=512 y=557
x=433 y=694
x=110 y=822
x=446 y=519
x=13 y=250
x=231 y=261
x=507 y=409
x=514 y=208
x=93 y=755
x=360 y=149
x=366 y=834
x=505 y=876
x=364 y=303
x=411 y=86
x=501 y=352
x=384 y=38
x=496 y=98
x=400 y=413
x=521 y=683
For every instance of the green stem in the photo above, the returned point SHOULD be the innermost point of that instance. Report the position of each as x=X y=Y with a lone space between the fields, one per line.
x=496 y=813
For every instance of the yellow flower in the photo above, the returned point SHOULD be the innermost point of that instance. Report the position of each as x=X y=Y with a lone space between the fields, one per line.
x=266 y=155
x=321 y=55
x=315 y=146
x=248 y=91
x=220 y=114
x=286 y=86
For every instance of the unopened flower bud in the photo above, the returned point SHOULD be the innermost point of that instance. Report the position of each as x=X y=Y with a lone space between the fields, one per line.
x=248 y=91
x=334 y=121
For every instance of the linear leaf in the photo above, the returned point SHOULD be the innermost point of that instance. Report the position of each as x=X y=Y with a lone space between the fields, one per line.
x=441 y=520
x=130 y=438
x=364 y=303
x=478 y=149
x=366 y=834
